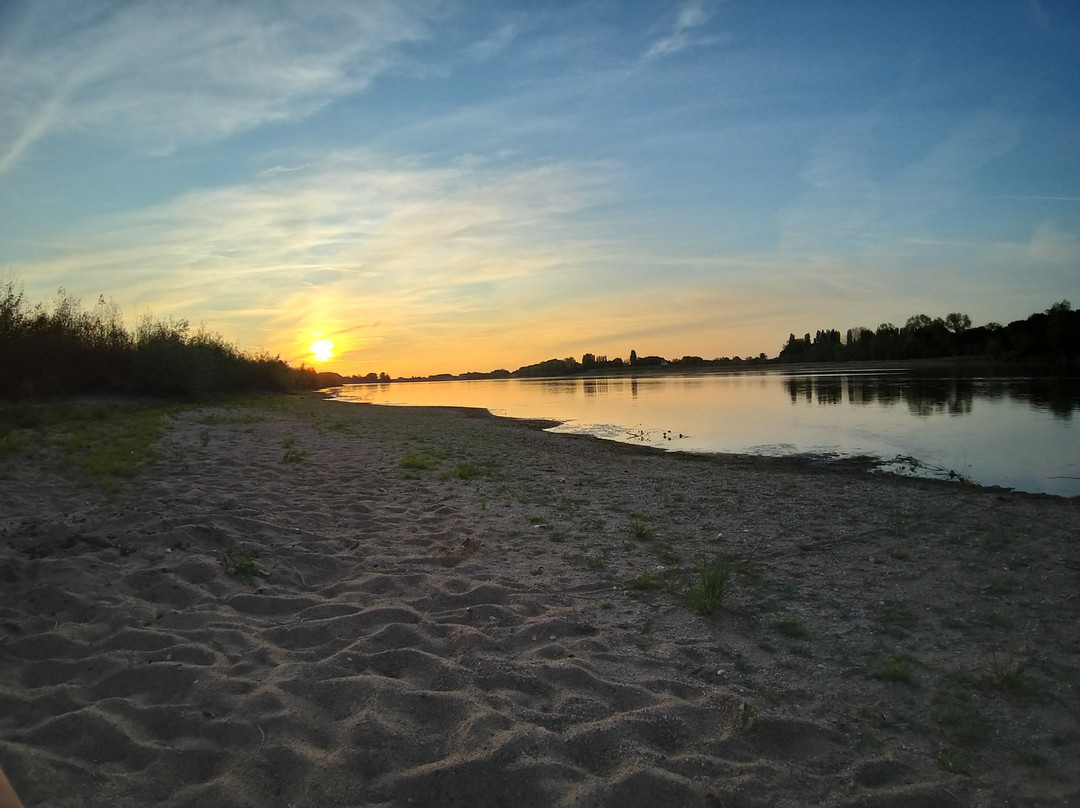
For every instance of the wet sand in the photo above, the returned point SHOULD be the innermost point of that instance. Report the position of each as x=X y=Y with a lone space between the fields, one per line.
x=454 y=609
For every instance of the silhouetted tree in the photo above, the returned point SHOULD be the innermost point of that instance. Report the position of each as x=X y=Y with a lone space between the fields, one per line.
x=1053 y=334
x=957 y=323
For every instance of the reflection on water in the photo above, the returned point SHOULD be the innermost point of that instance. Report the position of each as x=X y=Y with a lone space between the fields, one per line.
x=925 y=396
x=1016 y=432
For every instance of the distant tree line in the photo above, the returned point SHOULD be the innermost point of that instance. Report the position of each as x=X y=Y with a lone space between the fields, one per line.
x=1053 y=335
x=591 y=363
x=65 y=349
x=329 y=378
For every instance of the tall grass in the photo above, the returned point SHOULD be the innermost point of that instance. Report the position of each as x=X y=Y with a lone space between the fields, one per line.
x=66 y=349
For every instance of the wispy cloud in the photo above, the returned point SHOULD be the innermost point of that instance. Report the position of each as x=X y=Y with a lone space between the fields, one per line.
x=846 y=205
x=162 y=76
x=494 y=43
x=343 y=238
x=692 y=15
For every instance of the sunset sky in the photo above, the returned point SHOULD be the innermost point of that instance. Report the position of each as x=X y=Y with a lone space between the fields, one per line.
x=454 y=186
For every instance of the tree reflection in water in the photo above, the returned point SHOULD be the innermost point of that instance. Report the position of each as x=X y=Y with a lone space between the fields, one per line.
x=925 y=396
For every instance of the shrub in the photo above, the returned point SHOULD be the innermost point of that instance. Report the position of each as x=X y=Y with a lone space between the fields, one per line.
x=710 y=586
x=67 y=350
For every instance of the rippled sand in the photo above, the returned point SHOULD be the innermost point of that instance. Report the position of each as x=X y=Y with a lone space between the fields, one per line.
x=462 y=610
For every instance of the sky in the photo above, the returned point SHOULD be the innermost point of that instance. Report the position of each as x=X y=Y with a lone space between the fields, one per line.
x=442 y=187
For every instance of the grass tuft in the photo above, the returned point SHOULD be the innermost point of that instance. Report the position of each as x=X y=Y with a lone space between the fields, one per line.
x=709 y=588
x=1007 y=673
x=418 y=462
x=293 y=453
x=895 y=668
x=793 y=628
x=466 y=471
x=241 y=563
x=644 y=582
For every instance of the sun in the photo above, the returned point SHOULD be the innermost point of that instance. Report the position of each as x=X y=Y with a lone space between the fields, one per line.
x=323 y=350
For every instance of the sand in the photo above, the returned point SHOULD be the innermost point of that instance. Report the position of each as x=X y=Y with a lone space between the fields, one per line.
x=502 y=620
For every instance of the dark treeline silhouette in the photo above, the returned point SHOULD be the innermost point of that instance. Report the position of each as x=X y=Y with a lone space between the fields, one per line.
x=68 y=350
x=328 y=378
x=1053 y=335
x=590 y=363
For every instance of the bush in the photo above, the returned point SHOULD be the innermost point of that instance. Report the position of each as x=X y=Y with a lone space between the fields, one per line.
x=66 y=350
x=708 y=590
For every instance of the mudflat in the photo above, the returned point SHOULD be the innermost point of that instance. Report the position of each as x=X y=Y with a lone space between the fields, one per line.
x=303 y=602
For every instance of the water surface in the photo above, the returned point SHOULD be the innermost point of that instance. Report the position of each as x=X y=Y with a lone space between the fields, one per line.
x=1016 y=432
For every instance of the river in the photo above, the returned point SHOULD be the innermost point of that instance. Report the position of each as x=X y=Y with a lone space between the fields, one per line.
x=1016 y=432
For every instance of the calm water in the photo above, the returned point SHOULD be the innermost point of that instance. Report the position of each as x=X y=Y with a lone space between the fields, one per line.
x=1013 y=432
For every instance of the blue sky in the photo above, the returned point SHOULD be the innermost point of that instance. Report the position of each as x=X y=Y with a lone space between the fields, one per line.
x=453 y=186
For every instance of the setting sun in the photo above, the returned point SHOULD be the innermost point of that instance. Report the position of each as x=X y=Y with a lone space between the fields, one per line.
x=323 y=350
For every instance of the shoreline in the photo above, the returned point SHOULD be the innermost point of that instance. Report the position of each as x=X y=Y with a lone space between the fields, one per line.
x=460 y=608
x=859 y=463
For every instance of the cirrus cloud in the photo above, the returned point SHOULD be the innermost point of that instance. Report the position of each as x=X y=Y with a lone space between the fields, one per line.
x=163 y=76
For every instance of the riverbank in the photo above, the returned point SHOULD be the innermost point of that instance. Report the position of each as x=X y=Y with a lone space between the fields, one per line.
x=448 y=608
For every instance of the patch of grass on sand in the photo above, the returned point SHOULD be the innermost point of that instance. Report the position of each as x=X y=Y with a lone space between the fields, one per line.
x=582 y=561
x=645 y=582
x=293 y=453
x=745 y=717
x=638 y=527
x=954 y=763
x=232 y=419
x=241 y=563
x=418 y=462
x=105 y=441
x=665 y=555
x=708 y=590
x=1006 y=673
x=465 y=471
x=894 y=668
x=792 y=627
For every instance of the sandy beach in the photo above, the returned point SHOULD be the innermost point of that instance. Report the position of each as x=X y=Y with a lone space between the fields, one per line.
x=302 y=602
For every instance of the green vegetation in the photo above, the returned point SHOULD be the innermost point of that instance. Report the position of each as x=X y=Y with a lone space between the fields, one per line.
x=894 y=668
x=746 y=716
x=293 y=452
x=241 y=563
x=793 y=628
x=954 y=764
x=1007 y=673
x=65 y=350
x=466 y=471
x=644 y=582
x=708 y=589
x=105 y=441
x=418 y=462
